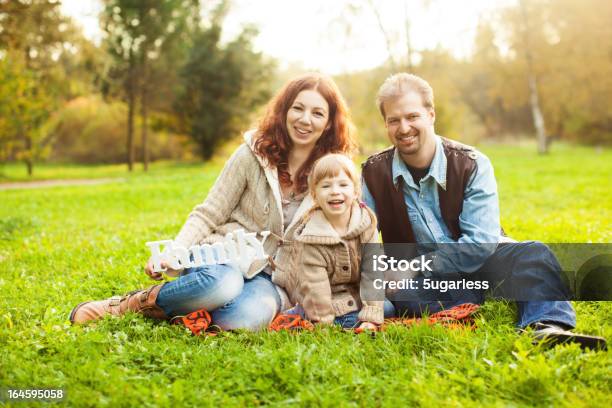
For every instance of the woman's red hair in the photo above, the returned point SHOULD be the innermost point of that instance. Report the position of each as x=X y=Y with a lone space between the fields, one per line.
x=273 y=142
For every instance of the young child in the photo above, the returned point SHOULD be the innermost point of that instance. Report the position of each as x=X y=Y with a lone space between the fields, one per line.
x=320 y=267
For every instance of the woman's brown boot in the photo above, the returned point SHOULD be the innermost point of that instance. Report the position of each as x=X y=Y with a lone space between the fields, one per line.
x=138 y=301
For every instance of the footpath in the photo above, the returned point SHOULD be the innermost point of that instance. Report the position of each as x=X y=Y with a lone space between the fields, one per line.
x=55 y=183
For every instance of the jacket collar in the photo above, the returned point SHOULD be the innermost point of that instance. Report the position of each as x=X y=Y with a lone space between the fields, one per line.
x=274 y=183
x=437 y=169
x=317 y=230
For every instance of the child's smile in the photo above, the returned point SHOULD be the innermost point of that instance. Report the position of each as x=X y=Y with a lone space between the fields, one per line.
x=336 y=204
x=335 y=195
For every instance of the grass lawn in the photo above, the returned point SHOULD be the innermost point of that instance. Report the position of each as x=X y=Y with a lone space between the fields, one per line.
x=63 y=245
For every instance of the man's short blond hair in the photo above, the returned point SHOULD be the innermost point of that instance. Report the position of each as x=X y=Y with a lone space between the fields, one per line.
x=400 y=84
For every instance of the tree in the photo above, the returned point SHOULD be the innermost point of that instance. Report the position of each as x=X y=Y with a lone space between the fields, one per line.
x=222 y=85
x=163 y=24
x=32 y=38
x=484 y=83
x=579 y=84
x=534 y=98
x=24 y=105
x=120 y=21
x=141 y=33
x=560 y=50
x=395 y=49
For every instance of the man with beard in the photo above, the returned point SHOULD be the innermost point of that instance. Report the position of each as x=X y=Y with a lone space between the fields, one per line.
x=428 y=189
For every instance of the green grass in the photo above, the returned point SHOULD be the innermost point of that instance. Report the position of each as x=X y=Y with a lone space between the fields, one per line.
x=16 y=172
x=62 y=245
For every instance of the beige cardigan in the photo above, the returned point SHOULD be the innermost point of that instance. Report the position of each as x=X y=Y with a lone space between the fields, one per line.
x=320 y=270
x=246 y=195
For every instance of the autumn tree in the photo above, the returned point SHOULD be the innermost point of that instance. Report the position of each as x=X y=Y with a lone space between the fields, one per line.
x=141 y=35
x=24 y=106
x=560 y=49
x=222 y=85
x=33 y=37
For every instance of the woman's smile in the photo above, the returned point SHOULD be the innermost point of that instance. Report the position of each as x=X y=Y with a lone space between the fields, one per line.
x=303 y=132
x=307 y=118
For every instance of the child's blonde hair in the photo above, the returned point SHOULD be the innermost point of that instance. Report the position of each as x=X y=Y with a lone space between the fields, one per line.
x=331 y=165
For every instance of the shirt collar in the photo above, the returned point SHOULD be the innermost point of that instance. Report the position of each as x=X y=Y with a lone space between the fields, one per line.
x=437 y=169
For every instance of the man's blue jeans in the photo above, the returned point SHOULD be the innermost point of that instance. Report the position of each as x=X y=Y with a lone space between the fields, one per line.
x=527 y=261
x=234 y=303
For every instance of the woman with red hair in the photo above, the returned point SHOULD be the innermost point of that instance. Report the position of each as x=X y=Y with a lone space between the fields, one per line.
x=263 y=187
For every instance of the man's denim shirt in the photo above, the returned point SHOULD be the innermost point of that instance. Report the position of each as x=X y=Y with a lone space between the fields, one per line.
x=479 y=219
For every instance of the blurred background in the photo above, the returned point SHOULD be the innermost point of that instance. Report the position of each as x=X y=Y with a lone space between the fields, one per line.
x=137 y=81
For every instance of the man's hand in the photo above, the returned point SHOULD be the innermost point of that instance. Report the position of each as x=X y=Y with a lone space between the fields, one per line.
x=159 y=275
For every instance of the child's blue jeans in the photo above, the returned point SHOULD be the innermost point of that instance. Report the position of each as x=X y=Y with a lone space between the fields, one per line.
x=349 y=320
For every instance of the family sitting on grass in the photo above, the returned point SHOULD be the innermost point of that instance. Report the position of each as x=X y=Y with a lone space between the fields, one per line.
x=292 y=176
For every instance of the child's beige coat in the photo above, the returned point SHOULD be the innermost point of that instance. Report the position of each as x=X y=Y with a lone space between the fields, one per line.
x=320 y=269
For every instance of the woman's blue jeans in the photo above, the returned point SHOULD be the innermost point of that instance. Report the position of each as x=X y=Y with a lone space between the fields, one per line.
x=233 y=302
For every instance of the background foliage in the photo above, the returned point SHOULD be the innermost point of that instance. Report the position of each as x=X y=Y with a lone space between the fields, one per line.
x=168 y=65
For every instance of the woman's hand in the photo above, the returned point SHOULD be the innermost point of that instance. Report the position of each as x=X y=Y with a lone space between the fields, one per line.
x=159 y=275
x=152 y=274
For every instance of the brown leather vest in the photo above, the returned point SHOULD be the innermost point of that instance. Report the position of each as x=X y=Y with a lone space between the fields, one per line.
x=389 y=198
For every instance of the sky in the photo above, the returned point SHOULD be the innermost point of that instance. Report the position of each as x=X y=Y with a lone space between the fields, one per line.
x=341 y=35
